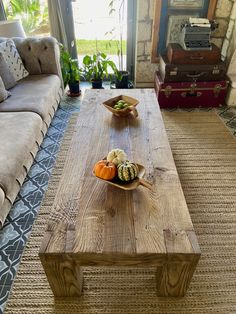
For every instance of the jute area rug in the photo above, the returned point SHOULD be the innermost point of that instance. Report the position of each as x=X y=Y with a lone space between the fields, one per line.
x=205 y=156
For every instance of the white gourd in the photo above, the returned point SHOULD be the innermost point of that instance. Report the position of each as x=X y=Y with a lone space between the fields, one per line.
x=116 y=156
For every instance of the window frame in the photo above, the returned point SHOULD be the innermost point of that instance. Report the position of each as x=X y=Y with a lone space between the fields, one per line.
x=131 y=37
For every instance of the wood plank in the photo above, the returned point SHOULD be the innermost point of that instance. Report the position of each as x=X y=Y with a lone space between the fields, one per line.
x=174 y=276
x=147 y=218
x=165 y=206
x=64 y=275
x=105 y=223
x=177 y=241
x=211 y=10
x=66 y=203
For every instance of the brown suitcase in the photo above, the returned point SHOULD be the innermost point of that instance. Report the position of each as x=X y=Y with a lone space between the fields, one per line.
x=177 y=55
x=170 y=72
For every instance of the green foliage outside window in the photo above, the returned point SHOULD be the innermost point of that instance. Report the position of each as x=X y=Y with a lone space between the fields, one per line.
x=32 y=13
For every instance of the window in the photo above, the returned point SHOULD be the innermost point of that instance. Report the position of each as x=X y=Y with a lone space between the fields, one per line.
x=32 y=13
x=101 y=29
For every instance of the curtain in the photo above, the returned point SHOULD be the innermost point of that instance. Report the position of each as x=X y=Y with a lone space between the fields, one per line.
x=57 y=22
x=2 y=12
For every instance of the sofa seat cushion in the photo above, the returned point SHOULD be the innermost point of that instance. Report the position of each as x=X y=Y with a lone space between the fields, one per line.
x=35 y=93
x=19 y=133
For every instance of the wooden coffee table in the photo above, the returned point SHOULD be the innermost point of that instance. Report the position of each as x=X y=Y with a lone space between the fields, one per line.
x=95 y=224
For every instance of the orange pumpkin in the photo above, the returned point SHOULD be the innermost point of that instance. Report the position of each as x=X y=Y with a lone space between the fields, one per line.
x=105 y=170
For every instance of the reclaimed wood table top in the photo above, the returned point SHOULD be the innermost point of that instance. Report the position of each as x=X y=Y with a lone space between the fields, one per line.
x=103 y=223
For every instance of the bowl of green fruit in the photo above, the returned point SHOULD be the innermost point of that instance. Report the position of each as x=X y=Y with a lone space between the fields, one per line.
x=122 y=105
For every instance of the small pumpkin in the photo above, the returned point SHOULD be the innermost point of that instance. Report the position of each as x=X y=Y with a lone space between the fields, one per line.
x=127 y=171
x=105 y=170
x=116 y=156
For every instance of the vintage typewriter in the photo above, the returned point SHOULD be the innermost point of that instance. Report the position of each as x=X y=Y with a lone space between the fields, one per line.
x=195 y=35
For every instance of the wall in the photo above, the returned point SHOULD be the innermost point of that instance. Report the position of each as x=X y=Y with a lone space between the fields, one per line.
x=224 y=37
x=229 y=43
x=144 y=69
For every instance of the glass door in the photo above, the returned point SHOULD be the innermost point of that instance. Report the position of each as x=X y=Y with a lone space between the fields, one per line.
x=101 y=26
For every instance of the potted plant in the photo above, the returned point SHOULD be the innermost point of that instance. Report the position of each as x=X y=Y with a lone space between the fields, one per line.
x=71 y=72
x=96 y=68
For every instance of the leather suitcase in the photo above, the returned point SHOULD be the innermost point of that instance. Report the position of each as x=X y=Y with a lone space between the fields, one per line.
x=188 y=73
x=190 y=94
x=177 y=55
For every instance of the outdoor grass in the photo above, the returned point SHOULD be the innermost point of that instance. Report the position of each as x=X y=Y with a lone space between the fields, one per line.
x=85 y=46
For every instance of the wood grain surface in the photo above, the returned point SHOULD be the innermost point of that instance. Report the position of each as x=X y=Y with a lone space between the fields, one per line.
x=93 y=223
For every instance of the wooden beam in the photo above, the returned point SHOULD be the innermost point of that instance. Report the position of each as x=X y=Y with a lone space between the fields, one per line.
x=211 y=9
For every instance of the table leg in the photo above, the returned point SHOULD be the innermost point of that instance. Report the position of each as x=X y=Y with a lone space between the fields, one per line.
x=64 y=275
x=173 y=278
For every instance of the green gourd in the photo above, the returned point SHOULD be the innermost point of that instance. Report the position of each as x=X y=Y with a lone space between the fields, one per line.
x=127 y=171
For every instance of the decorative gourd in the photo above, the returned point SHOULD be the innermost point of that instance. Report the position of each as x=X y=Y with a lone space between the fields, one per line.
x=105 y=170
x=127 y=171
x=116 y=156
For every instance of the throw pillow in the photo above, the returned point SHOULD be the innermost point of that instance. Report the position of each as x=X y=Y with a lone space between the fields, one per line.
x=6 y=75
x=13 y=59
x=3 y=92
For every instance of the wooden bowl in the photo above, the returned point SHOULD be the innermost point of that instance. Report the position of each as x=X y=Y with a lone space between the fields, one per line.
x=110 y=103
x=132 y=185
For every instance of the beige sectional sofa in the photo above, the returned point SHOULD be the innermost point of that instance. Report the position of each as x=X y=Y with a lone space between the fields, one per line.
x=27 y=113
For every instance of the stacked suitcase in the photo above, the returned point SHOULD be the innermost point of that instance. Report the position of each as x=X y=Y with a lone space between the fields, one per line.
x=191 y=78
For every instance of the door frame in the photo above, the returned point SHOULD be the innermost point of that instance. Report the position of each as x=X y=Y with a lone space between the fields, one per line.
x=131 y=37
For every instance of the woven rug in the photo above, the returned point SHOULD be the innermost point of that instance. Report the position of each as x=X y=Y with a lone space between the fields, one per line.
x=205 y=155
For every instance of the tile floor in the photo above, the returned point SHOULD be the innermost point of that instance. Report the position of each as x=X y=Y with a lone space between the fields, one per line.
x=16 y=230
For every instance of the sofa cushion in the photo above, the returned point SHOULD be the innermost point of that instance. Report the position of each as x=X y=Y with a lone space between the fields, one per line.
x=18 y=136
x=36 y=93
x=3 y=92
x=13 y=59
x=6 y=75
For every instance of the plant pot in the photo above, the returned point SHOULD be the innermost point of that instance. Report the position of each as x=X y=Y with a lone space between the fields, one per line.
x=74 y=88
x=97 y=84
x=124 y=82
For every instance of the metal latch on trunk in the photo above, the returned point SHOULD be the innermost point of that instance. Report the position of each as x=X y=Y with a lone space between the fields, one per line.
x=193 y=88
x=167 y=91
x=217 y=90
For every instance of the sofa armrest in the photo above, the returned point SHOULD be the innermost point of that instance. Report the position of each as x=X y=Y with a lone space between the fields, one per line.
x=40 y=55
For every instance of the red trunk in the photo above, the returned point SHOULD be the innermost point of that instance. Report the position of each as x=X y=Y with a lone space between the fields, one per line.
x=190 y=94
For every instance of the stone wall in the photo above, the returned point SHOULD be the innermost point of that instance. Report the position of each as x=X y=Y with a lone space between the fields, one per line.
x=224 y=37
x=144 y=70
x=229 y=43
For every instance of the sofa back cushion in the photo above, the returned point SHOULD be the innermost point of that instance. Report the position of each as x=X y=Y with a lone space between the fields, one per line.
x=6 y=75
x=13 y=59
x=3 y=92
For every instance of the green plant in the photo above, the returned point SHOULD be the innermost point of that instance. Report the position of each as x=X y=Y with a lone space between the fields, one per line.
x=96 y=66
x=33 y=13
x=71 y=72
